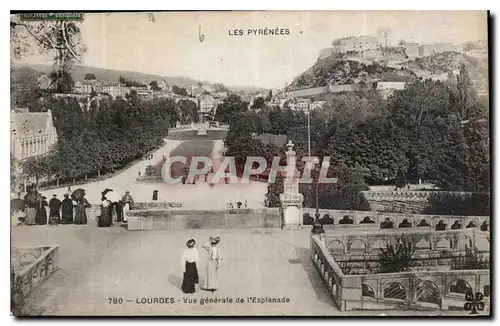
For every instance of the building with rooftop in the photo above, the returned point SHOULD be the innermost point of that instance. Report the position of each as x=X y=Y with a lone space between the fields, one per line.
x=31 y=133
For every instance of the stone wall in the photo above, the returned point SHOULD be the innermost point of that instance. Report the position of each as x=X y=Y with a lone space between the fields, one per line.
x=31 y=266
x=172 y=219
x=396 y=290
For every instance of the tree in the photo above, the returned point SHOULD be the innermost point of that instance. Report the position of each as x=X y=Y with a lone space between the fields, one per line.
x=274 y=189
x=269 y=95
x=25 y=90
x=258 y=104
x=62 y=38
x=452 y=172
x=473 y=259
x=89 y=76
x=397 y=257
x=220 y=88
x=154 y=86
x=34 y=168
x=231 y=106
x=13 y=173
x=179 y=91
x=466 y=94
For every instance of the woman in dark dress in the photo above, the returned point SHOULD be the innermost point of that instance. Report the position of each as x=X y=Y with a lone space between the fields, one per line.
x=188 y=262
x=54 y=210
x=41 y=212
x=105 y=218
x=67 y=210
x=80 y=214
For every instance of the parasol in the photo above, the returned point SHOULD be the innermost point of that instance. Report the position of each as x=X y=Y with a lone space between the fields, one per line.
x=106 y=191
x=32 y=197
x=78 y=194
x=113 y=196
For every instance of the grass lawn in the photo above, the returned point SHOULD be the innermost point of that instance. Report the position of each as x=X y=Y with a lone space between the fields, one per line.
x=193 y=135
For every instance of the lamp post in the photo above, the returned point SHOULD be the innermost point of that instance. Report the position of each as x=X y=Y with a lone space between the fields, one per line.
x=317 y=226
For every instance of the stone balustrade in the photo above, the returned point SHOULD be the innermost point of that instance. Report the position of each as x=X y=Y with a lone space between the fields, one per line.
x=424 y=241
x=364 y=219
x=407 y=290
x=420 y=196
x=33 y=265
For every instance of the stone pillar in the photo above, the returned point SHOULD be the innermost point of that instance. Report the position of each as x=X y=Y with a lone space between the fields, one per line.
x=291 y=199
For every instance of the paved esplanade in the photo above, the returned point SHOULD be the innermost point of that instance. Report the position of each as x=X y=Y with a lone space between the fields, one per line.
x=97 y=264
x=199 y=196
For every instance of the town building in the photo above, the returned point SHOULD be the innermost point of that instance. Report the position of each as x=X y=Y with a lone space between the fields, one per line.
x=355 y=43
x=143 y=92
x=114 y=89
x=87 y=86
x=299 y=104
x=207 y=102
x=317 y=105
x=31 y=133
x=388 y=88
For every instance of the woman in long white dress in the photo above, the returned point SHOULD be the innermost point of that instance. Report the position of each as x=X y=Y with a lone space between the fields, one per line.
x=126 y=208
x=211 y=282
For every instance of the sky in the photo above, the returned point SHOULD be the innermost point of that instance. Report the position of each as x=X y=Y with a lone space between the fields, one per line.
x=170 y=46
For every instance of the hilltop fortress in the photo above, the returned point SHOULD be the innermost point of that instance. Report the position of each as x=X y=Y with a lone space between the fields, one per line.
x=369 y=45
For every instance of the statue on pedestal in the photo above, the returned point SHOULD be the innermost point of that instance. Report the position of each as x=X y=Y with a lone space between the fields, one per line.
x=291 y=199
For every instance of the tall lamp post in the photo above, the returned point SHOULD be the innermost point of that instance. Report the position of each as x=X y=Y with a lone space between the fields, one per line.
x=317 y=226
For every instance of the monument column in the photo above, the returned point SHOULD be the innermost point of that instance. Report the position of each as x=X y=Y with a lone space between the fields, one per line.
x=291 y=199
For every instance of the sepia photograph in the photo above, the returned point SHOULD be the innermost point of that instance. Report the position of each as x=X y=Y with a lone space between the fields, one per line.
x=250 y=163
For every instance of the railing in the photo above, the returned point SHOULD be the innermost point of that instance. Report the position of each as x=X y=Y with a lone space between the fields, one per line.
x=329 y=271
x=425 y=241
x=405 y=195
x=415 y=289
x=371 y=219
x=33 y=265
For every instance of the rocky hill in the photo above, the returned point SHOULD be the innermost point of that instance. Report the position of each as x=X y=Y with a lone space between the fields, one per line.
x=341 y=70
x=388 y=65
x=440 y=64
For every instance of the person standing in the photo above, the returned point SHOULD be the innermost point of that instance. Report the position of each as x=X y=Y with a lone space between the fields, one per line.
x=80 y=213
x=105 y=218
x=155 y=195
x=211 y=282
x=54 y=210
x=126 y=208
x=189 y=260
x=128 y=199
x=67 y=210
x=119 y=211
x=41 y=212
x=30 y=213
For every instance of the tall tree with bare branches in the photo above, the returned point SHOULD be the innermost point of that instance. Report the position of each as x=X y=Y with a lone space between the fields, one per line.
x=59 y=38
